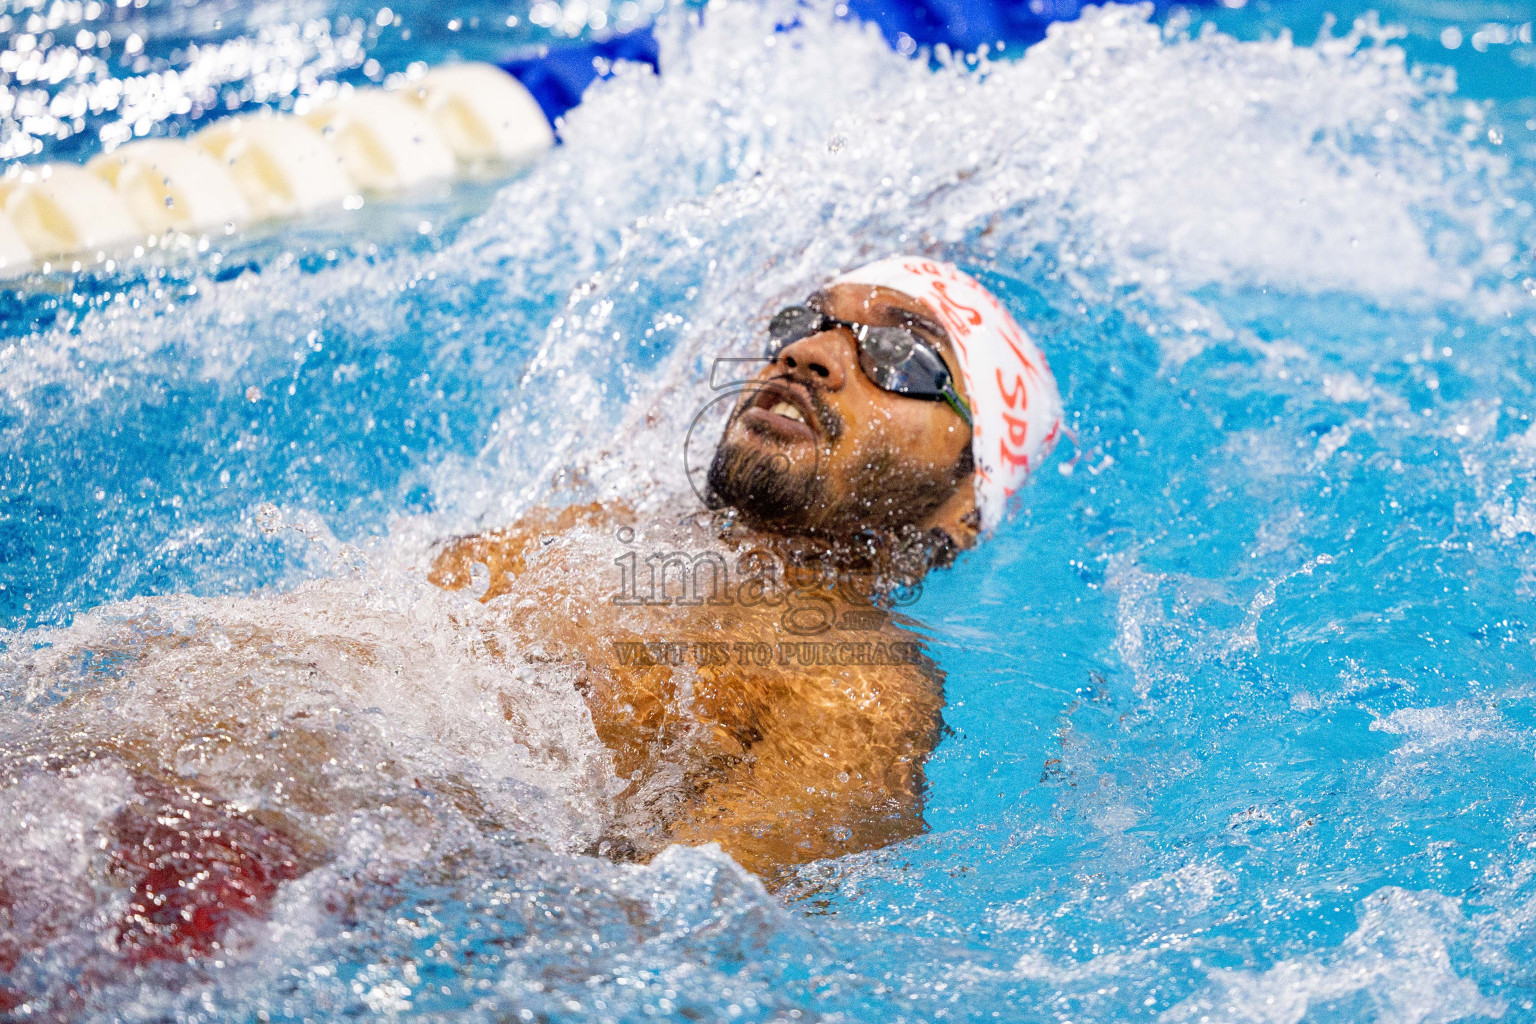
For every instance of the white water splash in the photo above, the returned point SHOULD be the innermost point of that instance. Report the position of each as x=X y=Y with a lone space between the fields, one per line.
x=1395 y=967
x=1115 y=164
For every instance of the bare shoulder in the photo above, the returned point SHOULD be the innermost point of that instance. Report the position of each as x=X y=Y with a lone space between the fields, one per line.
x=504 y=551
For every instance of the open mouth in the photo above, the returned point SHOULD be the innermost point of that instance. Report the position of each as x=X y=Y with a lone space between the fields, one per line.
x=781 y=408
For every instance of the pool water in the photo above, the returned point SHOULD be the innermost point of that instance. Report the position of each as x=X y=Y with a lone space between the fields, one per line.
x=1241 y=702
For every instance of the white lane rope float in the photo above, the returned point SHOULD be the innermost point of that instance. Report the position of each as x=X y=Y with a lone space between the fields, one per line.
x=457 y=119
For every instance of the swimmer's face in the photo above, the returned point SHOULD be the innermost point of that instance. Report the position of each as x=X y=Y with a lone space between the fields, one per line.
x=814 y=446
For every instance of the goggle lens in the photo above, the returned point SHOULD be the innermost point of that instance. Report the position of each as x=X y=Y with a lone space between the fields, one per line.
x=790 y=325
x=893 y=358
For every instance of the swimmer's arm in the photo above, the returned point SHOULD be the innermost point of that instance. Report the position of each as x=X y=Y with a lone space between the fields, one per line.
x=504 y=551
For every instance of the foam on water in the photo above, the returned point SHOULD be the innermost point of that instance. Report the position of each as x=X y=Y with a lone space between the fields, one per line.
x=1395 y=966
x=1239 y=700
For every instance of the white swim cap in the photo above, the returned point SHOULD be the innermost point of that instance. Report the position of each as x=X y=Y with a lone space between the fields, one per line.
x=1014 y=401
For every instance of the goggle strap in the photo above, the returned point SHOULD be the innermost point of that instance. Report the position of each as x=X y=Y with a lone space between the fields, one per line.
x=958 y=404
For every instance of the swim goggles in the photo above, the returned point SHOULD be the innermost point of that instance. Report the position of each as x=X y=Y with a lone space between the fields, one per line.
x=895 y=359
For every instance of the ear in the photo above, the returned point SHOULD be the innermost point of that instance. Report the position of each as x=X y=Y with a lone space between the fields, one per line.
x=958 y=516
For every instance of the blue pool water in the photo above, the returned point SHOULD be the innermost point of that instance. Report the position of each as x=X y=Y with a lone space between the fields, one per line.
x=1242 y=702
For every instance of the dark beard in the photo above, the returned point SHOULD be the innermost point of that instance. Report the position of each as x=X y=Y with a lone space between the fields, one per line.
x=765 y=487
x=772 y=493
x=762 y=486
x=778 y=507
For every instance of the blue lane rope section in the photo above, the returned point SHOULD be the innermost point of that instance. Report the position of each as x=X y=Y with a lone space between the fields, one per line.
x=557 y=76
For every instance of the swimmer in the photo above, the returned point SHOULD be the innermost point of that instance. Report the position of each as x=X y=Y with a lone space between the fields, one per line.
x=743 y=668
x=899 y=409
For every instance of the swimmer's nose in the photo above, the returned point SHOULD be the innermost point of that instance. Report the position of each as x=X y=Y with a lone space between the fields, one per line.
x=819 y=359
